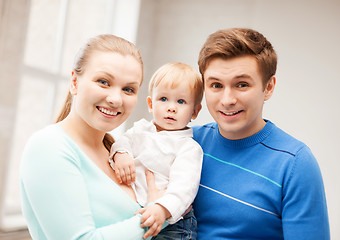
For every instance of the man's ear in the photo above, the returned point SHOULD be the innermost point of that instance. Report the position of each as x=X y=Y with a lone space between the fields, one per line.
x=197 y=109
x=269 y=88
x=149 y=101
x=74 y=84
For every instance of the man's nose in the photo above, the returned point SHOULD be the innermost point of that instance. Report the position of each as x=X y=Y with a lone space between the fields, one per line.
x=229 y=97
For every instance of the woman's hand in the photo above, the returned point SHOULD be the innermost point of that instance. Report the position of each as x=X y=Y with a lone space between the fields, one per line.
x=153 y=192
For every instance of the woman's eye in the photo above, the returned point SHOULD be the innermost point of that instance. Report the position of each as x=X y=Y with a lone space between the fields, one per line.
x=103 y=82
x=181 y=101
x=216 y=85
x=163 y=99
x=129 y=90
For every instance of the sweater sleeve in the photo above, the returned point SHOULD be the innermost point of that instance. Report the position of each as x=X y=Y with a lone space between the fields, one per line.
x=55 y=198
x=184 y=180
x=304 y=209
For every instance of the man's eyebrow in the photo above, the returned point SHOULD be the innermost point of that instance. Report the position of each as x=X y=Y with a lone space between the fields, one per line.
x=242 y=76
x=212 y=78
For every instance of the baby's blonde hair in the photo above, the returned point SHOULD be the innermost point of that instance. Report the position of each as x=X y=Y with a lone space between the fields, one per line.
x=174 y=73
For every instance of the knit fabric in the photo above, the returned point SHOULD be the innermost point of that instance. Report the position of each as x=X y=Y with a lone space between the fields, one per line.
x=266 y=186
x=66 y=196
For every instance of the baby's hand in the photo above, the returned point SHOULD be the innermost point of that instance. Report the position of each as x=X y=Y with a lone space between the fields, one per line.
x=124 y=168
x=153 y=217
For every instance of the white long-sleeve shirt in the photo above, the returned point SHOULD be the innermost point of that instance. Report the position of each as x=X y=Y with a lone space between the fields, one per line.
x=173 y=156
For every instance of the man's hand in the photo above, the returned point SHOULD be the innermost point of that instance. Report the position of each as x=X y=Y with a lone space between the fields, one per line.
x=124 y=168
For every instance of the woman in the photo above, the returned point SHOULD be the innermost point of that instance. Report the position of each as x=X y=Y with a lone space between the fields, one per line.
x=68 y=189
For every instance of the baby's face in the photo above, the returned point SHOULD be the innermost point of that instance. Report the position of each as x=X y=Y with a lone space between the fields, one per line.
x=172 y=108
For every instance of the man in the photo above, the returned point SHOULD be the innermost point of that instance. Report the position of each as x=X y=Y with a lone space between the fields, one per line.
x=257 y=181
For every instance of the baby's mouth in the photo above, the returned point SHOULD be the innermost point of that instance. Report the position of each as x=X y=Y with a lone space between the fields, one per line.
x=170 y=118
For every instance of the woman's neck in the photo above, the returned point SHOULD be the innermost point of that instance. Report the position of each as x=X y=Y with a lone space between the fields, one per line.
x=82 y=133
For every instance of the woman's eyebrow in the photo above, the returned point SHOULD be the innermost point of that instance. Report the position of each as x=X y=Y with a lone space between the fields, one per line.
x=106 y=74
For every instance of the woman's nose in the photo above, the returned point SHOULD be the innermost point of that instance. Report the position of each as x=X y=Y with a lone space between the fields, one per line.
x=114 y=99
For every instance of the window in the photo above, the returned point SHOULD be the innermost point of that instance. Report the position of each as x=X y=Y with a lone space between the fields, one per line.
x=56 y=30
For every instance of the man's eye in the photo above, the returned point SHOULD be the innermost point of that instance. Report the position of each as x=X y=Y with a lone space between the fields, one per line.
x=242 y=85
x=216 y=85
x=181 y=101
x=129 y=90
x=163 y=99
x=103 y=82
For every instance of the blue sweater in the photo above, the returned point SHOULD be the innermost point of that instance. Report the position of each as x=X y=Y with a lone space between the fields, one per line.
x=267 y=186
x=66 y=196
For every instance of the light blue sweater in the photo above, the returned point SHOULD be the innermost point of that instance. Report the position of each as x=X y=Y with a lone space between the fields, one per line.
x=267 y=186
x=66 y=196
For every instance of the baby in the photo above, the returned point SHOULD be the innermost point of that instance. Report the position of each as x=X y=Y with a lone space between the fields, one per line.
x=165 y=147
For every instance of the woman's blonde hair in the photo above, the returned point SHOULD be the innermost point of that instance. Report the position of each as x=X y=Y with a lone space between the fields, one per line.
x=175 y=73
x=105 y=43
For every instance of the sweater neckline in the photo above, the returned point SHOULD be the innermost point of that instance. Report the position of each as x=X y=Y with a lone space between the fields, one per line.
x=249 y=141
x=95 y=168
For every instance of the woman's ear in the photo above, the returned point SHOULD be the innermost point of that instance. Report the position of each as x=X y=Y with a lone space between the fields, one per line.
x=149 y=101
x=197 y=109
x=74 y=84
x=269 y=88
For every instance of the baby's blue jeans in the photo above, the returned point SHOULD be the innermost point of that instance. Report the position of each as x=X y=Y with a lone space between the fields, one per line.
x=184 y=229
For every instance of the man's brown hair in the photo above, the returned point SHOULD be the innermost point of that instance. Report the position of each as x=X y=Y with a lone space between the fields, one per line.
x=237 y=42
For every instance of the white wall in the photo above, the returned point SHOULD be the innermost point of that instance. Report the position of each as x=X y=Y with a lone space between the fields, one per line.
x=306 y=36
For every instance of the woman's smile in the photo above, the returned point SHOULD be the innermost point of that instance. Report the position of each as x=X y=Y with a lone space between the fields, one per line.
x=109 y=84
x=108 y=112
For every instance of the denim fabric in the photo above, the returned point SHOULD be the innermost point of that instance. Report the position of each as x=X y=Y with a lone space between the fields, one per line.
x=184 y=229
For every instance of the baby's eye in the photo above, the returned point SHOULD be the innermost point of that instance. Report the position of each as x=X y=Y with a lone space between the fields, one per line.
x=216 y=85
x=163 y=99
x=103 y=82
x=181 y=101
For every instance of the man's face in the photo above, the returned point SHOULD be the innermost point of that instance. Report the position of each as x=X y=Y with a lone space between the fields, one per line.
x=235 y=95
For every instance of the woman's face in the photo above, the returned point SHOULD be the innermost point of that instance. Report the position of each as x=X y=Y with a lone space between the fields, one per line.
x=106 y=93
